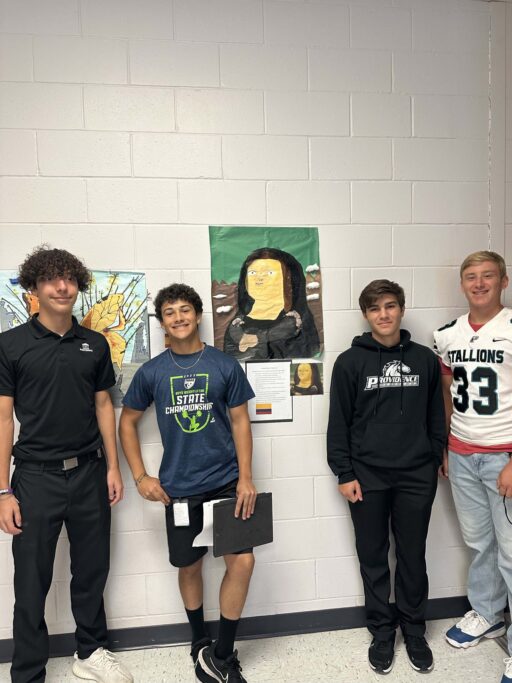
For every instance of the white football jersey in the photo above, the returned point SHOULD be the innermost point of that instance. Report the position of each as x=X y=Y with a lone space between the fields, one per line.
x=481 y=363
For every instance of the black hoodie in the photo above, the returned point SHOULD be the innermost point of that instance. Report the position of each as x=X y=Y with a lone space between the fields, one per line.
x=386 y=407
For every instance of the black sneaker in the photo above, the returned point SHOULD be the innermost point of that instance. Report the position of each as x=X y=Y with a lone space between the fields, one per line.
x=222 y=670
x=198 y=645
x=194 y=653
x=419 y=653
x=381 y=654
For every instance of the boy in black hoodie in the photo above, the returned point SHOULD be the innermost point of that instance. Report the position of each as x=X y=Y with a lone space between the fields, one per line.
x=385 y=441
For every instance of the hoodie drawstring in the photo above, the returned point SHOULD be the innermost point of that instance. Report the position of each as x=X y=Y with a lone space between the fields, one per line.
x=379 y=370
x=401 y=378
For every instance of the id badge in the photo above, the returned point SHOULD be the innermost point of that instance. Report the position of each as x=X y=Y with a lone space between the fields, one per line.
x=180 y=511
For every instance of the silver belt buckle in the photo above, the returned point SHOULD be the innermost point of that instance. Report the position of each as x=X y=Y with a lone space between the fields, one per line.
x=69 y=464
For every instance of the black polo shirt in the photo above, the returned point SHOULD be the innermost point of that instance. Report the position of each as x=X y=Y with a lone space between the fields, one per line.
x=53 y=381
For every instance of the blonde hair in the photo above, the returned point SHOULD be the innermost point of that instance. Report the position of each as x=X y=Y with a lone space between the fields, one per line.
x=480 y=257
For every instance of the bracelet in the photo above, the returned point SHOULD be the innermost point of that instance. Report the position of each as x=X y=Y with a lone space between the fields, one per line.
x=6 y=492
x=139 y=479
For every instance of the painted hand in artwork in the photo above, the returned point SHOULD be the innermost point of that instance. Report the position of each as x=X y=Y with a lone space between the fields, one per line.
x=247 y=342
x=107 y=317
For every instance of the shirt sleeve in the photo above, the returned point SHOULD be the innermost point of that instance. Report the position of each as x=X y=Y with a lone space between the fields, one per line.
x=341 y=408
x=139 y=395
x=441 y=348
x=445 y=370
x=436 y=422
x=7 y=375
x=239 y=390
x=105 y=376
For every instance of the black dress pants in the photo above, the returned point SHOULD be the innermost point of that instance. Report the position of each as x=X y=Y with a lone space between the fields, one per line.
x=48 y=498
x=403 y=497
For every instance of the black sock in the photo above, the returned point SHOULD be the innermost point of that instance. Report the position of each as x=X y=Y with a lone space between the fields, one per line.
x=196 y=621
x=226 y=641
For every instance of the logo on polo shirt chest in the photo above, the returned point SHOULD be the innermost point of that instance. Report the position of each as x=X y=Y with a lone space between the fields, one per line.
x=85 y=347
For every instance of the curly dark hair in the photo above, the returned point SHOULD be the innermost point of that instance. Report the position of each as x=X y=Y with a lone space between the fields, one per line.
x=45 y=262
x=174 y=292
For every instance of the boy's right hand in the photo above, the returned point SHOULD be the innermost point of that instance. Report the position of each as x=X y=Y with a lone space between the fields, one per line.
x=10 y=515
x=351 y=490
x=150 y=489
x=443 y=467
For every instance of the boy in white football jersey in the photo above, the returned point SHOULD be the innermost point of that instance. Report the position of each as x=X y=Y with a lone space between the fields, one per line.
x=476 y=355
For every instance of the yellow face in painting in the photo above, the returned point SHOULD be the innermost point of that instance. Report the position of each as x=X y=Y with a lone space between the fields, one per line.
x=305 y=374
x=265 y=280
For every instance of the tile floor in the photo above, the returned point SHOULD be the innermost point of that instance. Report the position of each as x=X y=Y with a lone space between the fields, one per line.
x=313 y=658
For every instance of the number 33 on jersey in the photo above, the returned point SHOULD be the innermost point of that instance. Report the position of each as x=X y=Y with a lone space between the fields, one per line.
x=481 y=363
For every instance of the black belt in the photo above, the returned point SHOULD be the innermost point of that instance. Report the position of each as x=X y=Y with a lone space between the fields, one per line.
x=60 y=465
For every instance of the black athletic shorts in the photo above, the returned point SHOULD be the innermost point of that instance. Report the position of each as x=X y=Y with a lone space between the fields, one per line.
x=180 y=538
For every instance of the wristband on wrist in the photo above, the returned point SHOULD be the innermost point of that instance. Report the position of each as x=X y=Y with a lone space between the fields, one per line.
x=139 y=479
x=6 y=492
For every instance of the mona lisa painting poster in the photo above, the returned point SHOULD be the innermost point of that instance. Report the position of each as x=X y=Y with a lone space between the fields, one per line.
x=267 y=292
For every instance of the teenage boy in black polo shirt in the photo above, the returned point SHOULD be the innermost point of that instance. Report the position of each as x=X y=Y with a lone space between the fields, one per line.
x=55 y=375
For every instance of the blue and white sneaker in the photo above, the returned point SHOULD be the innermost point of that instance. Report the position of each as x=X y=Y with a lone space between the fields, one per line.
x=471 y=629
x=507 y=676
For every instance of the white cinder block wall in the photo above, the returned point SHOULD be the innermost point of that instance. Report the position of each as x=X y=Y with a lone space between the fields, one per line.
x=127 y=127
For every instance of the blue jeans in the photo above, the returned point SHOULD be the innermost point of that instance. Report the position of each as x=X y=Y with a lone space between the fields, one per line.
x=486 y=531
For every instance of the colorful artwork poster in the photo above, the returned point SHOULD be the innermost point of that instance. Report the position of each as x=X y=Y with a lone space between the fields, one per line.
x=306 y=379
x=266 y=292
x=114 y=304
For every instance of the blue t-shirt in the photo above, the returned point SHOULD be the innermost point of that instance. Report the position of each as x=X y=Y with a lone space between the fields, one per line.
x=191 y=409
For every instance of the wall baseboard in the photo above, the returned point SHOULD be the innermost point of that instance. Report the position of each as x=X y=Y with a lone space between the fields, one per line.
x=63 y=644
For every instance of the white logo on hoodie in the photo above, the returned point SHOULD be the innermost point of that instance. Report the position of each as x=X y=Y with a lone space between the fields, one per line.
x=394 y=374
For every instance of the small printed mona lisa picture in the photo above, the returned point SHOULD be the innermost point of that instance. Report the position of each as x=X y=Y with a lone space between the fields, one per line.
x=306 y=379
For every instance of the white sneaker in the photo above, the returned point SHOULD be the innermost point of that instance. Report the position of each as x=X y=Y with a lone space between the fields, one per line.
x=103 y=667
x=507 y=676
x=470 y=630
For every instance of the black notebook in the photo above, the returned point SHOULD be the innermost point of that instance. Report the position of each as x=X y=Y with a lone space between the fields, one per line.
x=231 y=534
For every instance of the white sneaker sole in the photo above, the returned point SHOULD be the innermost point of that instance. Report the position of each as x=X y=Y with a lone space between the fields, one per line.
x=382 y=671
x=206 y=669
x=421 y=671
x=204 y=678
x=86 y=675
x=472 y=643
x=82 y=673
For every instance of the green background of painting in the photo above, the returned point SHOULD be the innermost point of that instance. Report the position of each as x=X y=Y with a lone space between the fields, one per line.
x=230 y=246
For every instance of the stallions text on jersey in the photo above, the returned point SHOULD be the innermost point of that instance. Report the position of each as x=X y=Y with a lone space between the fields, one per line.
x=481 y=363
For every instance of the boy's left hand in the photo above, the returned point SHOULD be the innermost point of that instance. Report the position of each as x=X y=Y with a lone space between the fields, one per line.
x=245 y=498
x=504 y=481
x=115 y=486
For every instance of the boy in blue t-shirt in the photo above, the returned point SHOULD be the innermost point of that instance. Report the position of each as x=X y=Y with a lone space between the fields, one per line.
x=206 y=456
